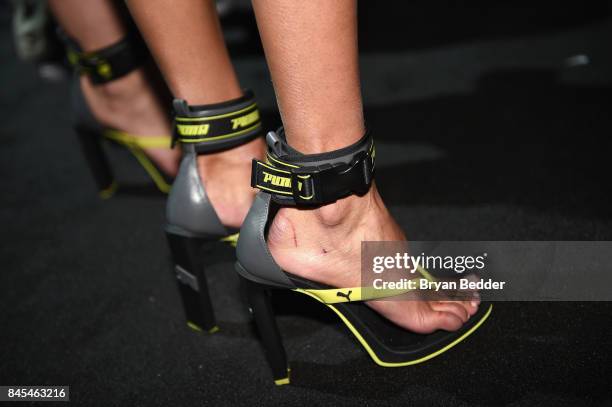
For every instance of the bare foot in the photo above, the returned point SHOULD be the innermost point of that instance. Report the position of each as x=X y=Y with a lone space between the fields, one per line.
x=129 y=104
x=324 y=245
x=227 y=178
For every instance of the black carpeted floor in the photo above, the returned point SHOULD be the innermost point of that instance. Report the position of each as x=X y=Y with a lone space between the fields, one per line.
x=521 y=151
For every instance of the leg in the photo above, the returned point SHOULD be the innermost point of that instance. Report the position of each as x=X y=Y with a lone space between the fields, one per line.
x=311 y=48
x=197 y=68
x=96 y=24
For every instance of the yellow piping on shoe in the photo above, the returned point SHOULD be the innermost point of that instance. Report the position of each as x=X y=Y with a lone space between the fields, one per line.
x=375 y=357
x=135 y=145
x=221 y=137
x=351 y=294
x=139 y=141
x=426 y=274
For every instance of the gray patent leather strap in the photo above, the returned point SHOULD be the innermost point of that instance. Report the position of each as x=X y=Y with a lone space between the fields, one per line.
x=252 y=249
x=188 y=209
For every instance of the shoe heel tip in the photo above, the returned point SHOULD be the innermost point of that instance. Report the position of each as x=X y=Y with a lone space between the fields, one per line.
x=284 y=380
x=109 y=191
x=194 y=326
x=198 y=328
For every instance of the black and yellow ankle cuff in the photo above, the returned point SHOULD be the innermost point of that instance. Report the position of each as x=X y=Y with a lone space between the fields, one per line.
x=109 y=63
x=293 y=178
x=219 y=126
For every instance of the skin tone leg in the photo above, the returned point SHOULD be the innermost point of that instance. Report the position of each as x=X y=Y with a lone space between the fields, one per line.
x=311 y=49
x=128 y=103
x=187 y=43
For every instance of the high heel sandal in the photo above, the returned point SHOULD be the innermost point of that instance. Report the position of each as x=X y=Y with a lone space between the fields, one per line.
x=103 y=66
x=291 y=178
x=191 y=221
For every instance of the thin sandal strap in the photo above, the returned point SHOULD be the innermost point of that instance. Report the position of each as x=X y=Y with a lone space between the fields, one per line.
x=136 y=144
x=353 y=294
x=139 y=141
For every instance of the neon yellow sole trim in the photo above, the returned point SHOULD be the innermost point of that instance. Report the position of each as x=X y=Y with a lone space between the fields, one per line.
x=110 y=191
x=379 y=362
x=194 y=326
x=284 y=380
x=213 y=329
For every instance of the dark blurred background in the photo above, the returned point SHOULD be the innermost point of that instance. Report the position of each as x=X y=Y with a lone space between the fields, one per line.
x=492 y=123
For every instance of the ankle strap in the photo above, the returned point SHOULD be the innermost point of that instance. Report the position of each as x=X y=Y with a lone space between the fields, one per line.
x=215 y=127
x=109 y=63
x=293 y=178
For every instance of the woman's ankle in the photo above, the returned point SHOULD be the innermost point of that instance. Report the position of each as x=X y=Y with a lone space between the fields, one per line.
x=116 y=93
x=211 y=166
x=127 y=103
x=347 y=211
x=226 y=176
x=364 y=215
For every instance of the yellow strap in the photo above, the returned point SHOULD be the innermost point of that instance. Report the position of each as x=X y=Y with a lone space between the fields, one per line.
x=352 y=294
x=139 y=141
x=150 y=168
x=135 y=145
x=426 y=274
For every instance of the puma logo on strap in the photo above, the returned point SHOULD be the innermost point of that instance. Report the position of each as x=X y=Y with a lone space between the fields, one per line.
x=347 y=295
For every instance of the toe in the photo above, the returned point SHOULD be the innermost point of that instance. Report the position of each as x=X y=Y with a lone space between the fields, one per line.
x=457 y=308
x=448 y=321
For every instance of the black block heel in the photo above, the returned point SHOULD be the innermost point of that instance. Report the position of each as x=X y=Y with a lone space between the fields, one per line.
x=191 y=219
x=191 y=280
x=263 y=314
x=97 y=161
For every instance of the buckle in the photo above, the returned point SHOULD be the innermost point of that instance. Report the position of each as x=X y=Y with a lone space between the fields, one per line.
x=327 y=183
x=293 y=181
x=304 y=183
